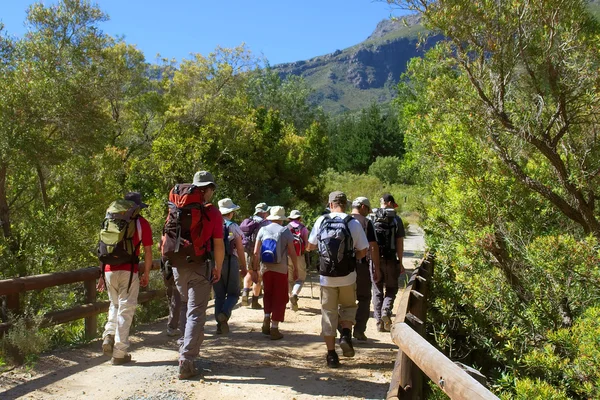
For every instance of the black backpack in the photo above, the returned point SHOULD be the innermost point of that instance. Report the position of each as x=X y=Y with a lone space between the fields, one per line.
x=336 y=247
x=384 y=221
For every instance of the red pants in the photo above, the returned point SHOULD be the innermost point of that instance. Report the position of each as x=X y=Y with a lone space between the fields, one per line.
x=275 y=297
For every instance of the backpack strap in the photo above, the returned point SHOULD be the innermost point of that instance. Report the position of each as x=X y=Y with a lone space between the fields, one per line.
x=346 y=221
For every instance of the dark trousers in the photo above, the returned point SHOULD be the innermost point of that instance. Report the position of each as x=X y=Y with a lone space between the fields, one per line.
x=174 y=300
x=384 y=291
x=363 y=295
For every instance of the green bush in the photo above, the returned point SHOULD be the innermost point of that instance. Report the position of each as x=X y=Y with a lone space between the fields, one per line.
x=385 y=169
x=25 y=340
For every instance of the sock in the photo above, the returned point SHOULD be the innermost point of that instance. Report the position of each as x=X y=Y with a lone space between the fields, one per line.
x=275 y=324
x=246 y=291
x=346 y=332
x=330 y=352
x=267 y=315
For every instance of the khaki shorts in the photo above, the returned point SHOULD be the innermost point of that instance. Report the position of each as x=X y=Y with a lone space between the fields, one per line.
x=301 y=269
x=337 y=304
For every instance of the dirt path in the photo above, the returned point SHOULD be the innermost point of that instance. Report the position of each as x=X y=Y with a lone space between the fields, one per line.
x=242 y=365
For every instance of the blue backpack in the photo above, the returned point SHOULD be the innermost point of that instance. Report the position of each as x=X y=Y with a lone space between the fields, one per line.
x=268 y=248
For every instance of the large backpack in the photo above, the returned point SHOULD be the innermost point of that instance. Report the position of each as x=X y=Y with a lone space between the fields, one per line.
x=299 y=244
x=183 y=227
x=117 y=233
x=336 y=247
x=249 y=228
x=229 y=244
x=269 y=246
x=384 y=220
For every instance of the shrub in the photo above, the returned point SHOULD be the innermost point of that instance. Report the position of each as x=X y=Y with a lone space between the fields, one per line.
x=385 y=169
x=25 y=339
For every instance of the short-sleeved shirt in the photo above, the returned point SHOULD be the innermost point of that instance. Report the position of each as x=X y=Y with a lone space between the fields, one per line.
x=303 y=230
x=369 y=229
x=360 y=243
x=398 y=233
x=285 y=238
x=146 y=237
x=234 y=232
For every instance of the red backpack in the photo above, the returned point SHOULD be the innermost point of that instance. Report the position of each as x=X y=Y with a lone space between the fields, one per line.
x=299 y=244
x=183 y=227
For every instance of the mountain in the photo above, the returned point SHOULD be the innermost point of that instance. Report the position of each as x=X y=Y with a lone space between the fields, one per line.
x=351 y=79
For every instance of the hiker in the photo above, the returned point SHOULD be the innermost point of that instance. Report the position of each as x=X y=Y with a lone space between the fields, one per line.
x=389 y=230
x=300 y=234
x=250 y=227
x=367 y=268
x=340 y=240
x=227 y=289
x=274 y=243
x=120 y=277
x=173 y=299
x=193 y=229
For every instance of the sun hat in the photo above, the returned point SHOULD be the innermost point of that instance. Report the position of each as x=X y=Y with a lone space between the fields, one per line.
x=277 y=213
x=203 y=178
x=261 y=208
x=136 y=198
x=361 y=201
x=295 y=214
x=226 y=206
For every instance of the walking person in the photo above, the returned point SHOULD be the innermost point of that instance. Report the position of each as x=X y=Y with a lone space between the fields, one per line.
x=274 y=243
x=120 y=278
x=194 y=229
x=227 y=289
x=340 y=240
x=300 y=234
x=250 y=227
x=390 y=238
x=367 y=268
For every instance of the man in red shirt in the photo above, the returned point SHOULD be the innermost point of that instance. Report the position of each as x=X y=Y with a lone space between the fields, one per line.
x=123 y=299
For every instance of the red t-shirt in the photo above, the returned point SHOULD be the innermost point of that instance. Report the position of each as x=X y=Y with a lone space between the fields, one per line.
x=146 y=241
x=212 y=227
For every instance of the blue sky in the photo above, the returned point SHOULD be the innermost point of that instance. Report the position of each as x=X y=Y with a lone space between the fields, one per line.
x=281 y=30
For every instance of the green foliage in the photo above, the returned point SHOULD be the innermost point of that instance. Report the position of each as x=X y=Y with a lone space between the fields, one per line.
x=385 y=169
x=25 y=339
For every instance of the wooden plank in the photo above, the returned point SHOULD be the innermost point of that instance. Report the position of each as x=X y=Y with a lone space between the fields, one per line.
x=91 y=322
x=453 y=381
x=36 y=282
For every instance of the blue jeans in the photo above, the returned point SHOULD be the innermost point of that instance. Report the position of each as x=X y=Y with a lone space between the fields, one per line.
x=227 y=289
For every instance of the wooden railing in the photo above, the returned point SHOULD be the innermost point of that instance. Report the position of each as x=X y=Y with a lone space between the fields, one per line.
x=13 y=288
x=416 y=356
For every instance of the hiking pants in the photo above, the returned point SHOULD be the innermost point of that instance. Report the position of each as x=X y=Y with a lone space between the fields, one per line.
x=383 y=303
x=174 y=300
x=193 y=284
x=275 y=295
x=294 y=286
x=121 y=309
x=337 y=304
x=227 y=289
x=363 y=295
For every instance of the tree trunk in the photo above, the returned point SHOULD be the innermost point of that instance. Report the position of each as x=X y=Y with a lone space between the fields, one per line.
x=4 y=211
x=42 y=180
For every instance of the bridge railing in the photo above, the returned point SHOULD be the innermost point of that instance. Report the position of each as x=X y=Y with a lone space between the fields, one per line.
x=416 y=356
x=13 y=288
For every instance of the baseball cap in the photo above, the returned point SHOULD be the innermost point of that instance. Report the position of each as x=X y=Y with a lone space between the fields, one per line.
x=338 y=197
x=136 y=198
x=388 y=198
x=361 y=201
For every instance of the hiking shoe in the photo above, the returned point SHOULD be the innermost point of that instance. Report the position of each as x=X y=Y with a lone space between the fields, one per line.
x=360 y=336
x=187 y=369
x=387 y=323
x=173 y=332
x=219 y=331
x=222 y=318
x=255 y=304
x=380 y=327
x=266 y=326
x=107 y=345
x=346 y=345
x=122 y=360
x=275 y=334
x=333 y=361
x=294 y=301
x=245 y=298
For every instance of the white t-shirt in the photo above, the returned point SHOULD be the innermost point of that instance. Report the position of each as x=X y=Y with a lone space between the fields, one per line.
x=360 y=243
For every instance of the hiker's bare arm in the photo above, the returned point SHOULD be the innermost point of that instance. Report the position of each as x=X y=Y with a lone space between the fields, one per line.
x=400 y=251
x=375 y=258
x=256 y=257
x=219 y=254
x=361 y=253
x=239 y=249
x=291 y=250
x=147 y=266
x=311 y=247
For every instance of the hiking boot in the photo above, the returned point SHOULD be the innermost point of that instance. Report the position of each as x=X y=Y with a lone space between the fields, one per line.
x=219 y=331
x=266 y=326
x=360 y=336
x=187 y=369
x=380 y=327
x=255 y=304
x=387 y=322
x=333 y=361
x=294 y=301
x=275 y=334
x=346 y=345
x=107 y=345
x=122 y=360
x=173 y=332
x=222 y=318
x=245 y=298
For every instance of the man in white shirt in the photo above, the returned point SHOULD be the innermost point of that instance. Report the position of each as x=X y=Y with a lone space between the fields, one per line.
x=340 y=240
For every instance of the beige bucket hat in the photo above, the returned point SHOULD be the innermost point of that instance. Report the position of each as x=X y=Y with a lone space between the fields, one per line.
x=277 y=213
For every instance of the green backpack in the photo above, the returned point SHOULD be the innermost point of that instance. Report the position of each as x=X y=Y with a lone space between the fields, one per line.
x=117 y=233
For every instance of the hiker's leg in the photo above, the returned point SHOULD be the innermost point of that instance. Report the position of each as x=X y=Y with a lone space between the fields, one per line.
x=268 y=281
x=378 y=291
x=232 y=286
x=220 y=289
x=174 y=300
x=198 y=294
x=301 y=276
x=257 y=286
x=392 y=275
x=279 y=295
x=180 y=277
x=329 y=315
x=347 y=305
x=113 y=296
x=290 y=276
x=127 y=305
x=363 y=295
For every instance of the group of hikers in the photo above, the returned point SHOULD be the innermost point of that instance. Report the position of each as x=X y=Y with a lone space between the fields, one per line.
x=202 y=248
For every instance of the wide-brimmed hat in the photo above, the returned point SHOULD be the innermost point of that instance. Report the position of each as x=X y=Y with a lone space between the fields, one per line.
x=295 y=214
x=261 y=208
x=204 y=178
x=277 y=213
x=136 y=198
x=361 y=201
x=226 y=206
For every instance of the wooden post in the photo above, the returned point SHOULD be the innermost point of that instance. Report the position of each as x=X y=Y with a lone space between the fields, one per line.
x=12 y=303
x=91 y=322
